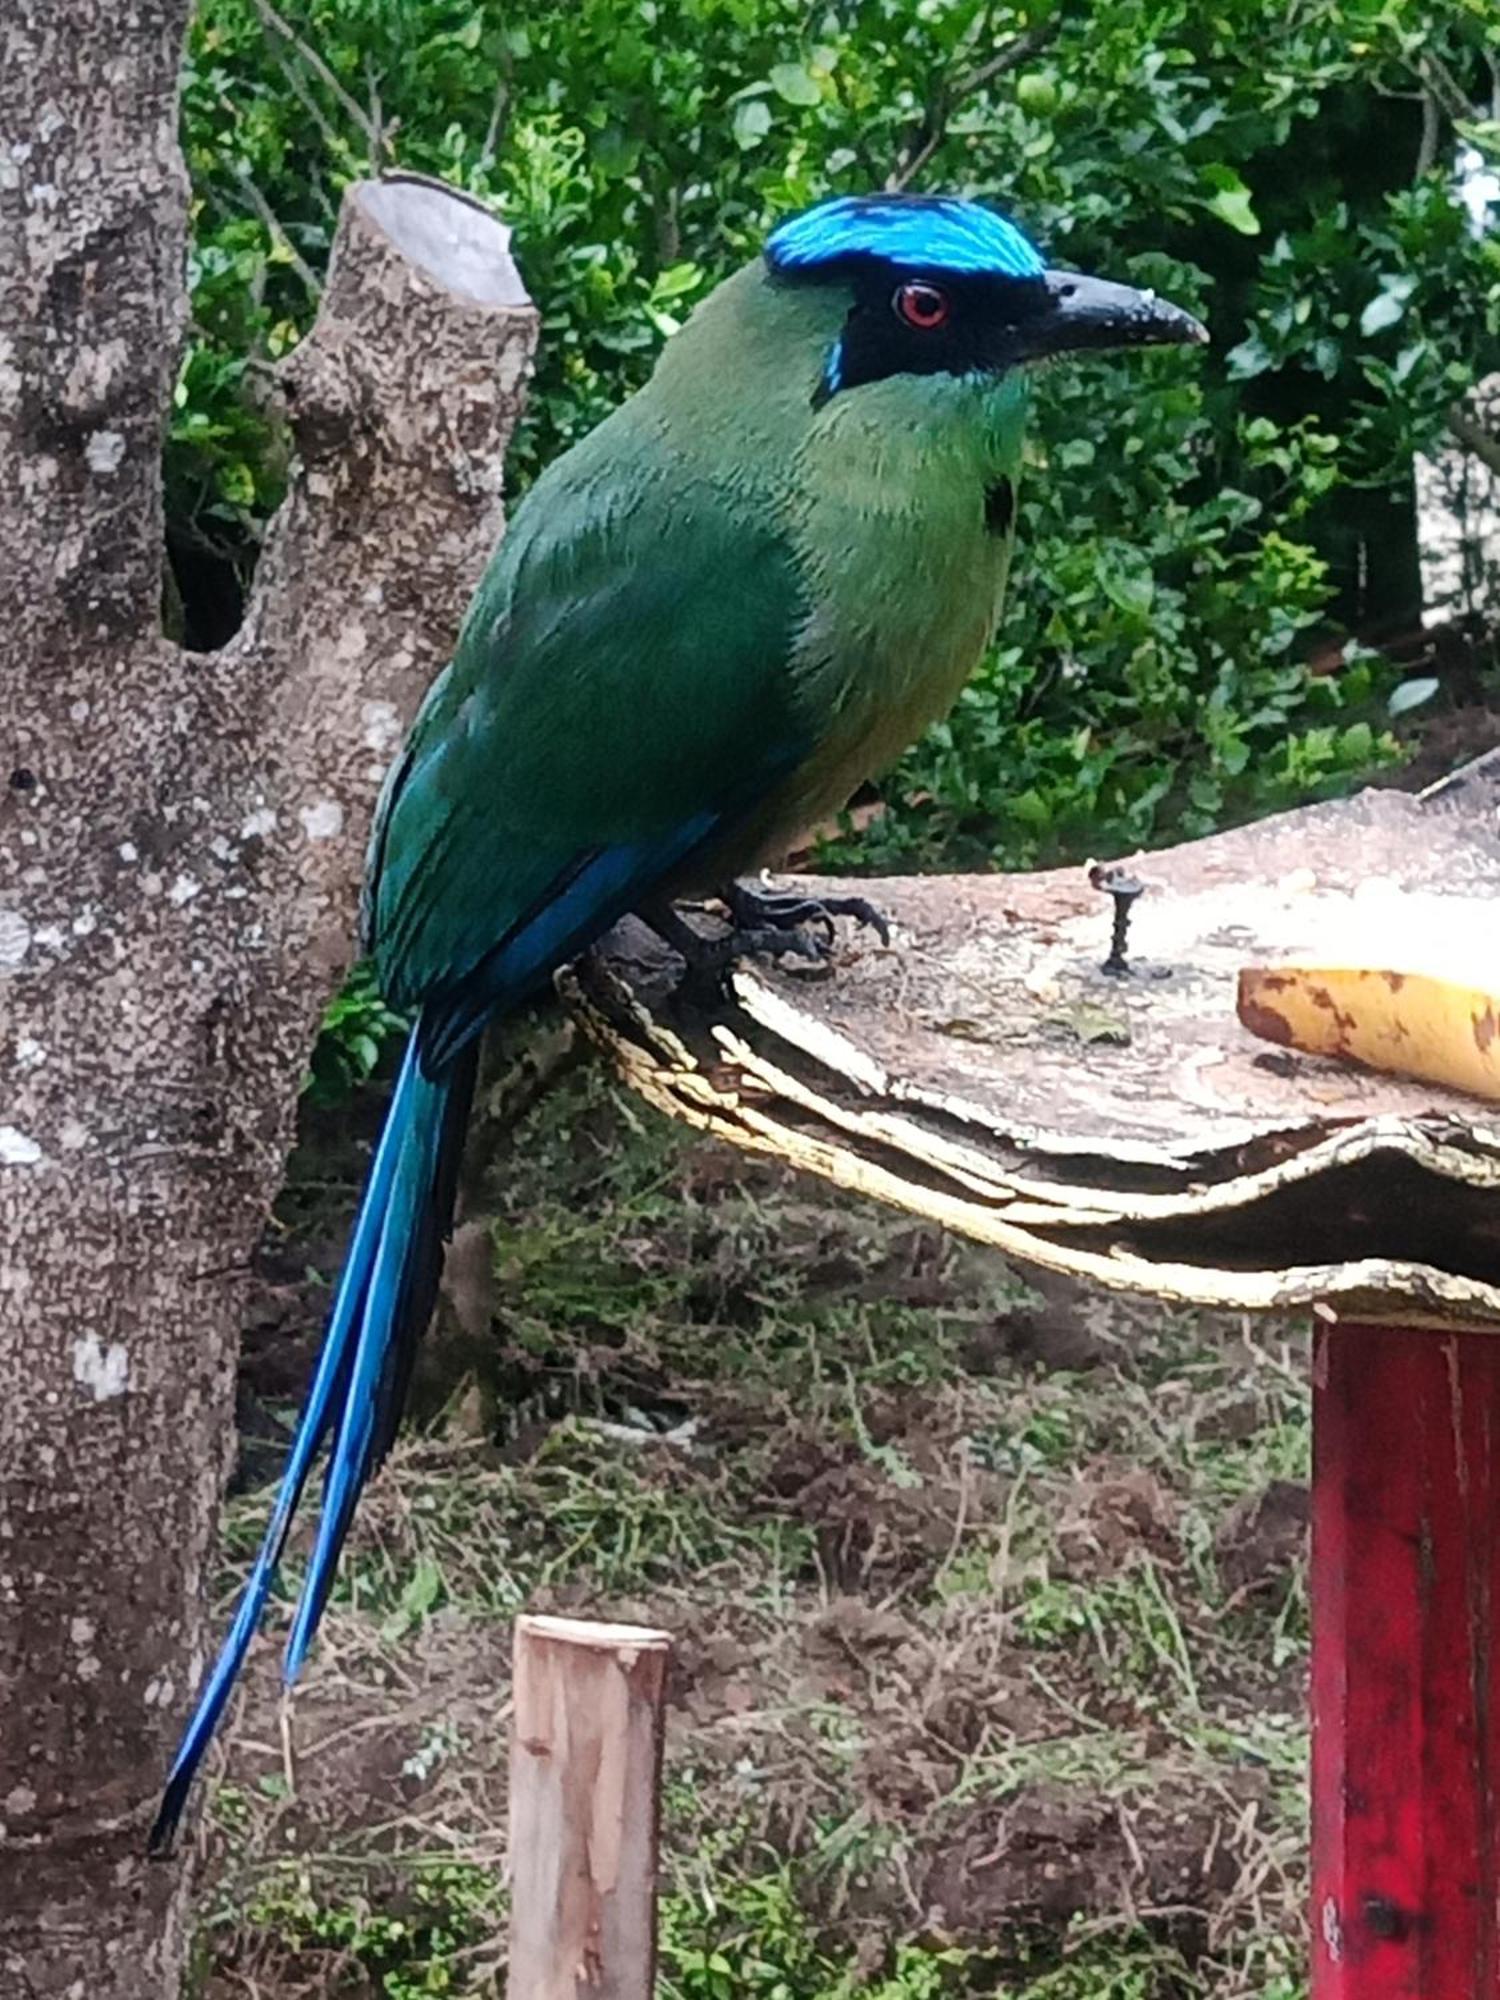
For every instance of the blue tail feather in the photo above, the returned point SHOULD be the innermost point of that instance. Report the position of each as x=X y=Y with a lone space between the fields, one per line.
x=351 y=1457
x=358 y=1347
x=390 y=1276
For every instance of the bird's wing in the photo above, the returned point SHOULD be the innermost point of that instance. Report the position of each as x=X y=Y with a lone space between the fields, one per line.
x=618 y=697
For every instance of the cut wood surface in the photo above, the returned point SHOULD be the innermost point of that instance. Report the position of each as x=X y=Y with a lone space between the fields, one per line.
x=985 y=1071
x=585 y=1766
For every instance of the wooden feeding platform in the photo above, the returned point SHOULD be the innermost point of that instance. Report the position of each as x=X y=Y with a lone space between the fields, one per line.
x=986 y=1071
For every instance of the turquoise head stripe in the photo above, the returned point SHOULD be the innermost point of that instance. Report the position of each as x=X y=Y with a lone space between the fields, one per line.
x=927 y=232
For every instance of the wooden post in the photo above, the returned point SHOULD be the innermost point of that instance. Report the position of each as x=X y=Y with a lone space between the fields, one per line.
x=585 y=1763
x=1406 y=1669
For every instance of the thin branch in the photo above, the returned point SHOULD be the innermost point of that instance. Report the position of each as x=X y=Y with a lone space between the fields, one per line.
x=1440 y=80
x=928 y=135
x=376 y=120
x=500 y=110
x=320 y=69
x=1005 y=59
x=297 y=84
x=668 y=229
x=1432 y=132
x=911 y=163
x=495 y=130
x=255 y=200
x=1473 y=436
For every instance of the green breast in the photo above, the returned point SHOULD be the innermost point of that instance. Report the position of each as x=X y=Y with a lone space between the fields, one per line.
x=896 y=531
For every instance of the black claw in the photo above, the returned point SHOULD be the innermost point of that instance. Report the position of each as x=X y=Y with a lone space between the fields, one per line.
x=778 y=940
x=862 y=911
x=706 y=960
x=754 y=909
x=762 y=926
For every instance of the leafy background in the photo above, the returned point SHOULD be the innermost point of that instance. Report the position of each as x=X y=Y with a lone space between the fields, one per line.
x=1201 y=535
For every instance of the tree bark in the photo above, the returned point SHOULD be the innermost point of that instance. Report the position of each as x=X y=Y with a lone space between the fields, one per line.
x=180 y=843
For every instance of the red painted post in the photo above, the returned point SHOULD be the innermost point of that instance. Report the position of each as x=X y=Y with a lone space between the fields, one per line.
x=1405 y=1592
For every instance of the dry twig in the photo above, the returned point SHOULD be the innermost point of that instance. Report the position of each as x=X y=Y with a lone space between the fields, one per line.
x=932 y=128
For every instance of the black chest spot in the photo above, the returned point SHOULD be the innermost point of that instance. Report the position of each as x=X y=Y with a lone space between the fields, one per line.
x=1000 y=507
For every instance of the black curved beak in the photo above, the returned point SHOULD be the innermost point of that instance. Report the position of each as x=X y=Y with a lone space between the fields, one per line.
x=1083 y=315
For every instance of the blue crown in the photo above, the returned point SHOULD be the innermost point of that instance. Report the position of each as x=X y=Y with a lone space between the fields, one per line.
x=939 y=232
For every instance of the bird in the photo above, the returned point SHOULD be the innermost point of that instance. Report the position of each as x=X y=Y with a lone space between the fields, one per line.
x=741 y=595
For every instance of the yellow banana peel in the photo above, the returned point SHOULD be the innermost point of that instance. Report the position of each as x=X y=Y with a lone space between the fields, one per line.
x=1442 y=1026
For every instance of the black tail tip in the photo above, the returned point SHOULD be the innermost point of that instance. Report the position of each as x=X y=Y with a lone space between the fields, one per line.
x=161 y=1841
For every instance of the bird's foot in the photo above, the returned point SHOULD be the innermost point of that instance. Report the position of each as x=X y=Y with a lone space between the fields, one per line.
x=756 y=910
x=761 y=926
x=708 y=956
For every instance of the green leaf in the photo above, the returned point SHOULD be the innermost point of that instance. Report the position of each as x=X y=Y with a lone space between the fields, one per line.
x=1036 y=92
x=793 y=83
x=1030 y=808
x=1230 y=200
x=1388 y=304
x=1252 y=357
x=616 y=152
x=1382 y=311
x=751 y=122
x=237 y=484
x=676 y=282
x=1131 y=589
x=422 y=1591
x=1411 y=694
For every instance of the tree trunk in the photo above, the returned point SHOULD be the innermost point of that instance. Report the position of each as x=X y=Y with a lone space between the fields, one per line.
x=180 y=841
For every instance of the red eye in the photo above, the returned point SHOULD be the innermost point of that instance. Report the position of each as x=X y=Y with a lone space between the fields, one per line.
x=921 y=306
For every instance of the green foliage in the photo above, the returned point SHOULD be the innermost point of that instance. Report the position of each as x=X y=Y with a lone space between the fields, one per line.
x=410 y=1951
x=731 y=1936
x=1172 y=698
x=1189 y=522
x=356 y=1029
x=895 y=1516
x=750 y=1937
x=738 y=1936
x=1133 y=1967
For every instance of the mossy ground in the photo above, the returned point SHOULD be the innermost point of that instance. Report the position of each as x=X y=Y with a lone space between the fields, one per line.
x=989 y=1602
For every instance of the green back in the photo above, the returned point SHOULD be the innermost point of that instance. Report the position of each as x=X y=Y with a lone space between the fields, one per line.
x=712 y=611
